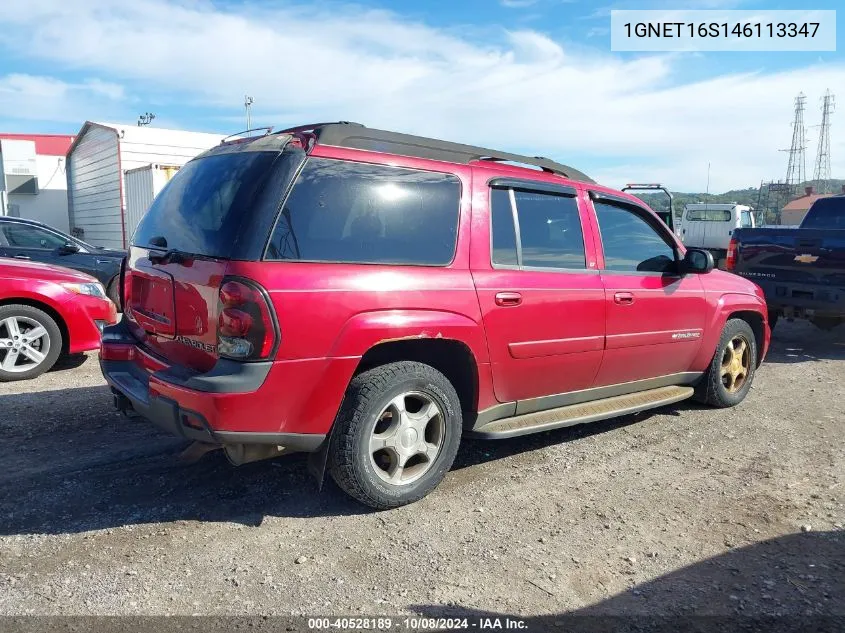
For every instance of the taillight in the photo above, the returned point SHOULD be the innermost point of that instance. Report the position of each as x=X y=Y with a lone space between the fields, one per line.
x=246 y=329
x=730 y=261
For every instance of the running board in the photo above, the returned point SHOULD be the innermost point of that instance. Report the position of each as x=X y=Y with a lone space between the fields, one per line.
x=582 y=413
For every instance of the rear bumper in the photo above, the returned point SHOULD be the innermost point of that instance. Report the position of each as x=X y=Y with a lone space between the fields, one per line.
x=803 y=300
x=218 y=407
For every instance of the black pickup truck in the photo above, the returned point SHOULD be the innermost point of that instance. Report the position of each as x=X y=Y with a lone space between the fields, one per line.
x=801 y=270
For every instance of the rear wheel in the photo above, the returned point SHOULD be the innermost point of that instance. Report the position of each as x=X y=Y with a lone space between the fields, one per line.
x=729 y=377
x=396 y=435
x=30 y=342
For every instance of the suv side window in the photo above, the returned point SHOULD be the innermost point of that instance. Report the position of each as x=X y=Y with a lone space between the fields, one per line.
x=548 y=232
x=630 y=242
x=24 y=236
x=341 y=211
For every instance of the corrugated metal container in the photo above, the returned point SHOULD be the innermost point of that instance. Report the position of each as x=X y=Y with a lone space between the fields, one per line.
x=142 y=186
x=97 y=192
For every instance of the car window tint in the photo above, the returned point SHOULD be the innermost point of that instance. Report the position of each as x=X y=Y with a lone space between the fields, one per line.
x=504 y=234
x=202 y=208
x=549 y=230
x=630 y=243
x=24 y=236
x=341 y=211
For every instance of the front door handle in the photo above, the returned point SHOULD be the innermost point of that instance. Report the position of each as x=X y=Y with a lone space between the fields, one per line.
x=623 y=298
x=19 y=256
x=505 y=299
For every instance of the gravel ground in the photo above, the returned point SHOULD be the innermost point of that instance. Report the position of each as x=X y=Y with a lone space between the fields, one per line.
x=679 y=511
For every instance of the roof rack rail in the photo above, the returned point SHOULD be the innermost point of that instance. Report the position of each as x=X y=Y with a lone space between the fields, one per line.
x=310 y=127
x=267 y=130
x=357 y=136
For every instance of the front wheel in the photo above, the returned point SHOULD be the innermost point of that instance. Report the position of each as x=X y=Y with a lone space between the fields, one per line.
x=728 y=379
x=30 y=342
x=396 y=435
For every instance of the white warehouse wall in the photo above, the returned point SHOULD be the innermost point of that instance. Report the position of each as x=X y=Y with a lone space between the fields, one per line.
x=49 y=205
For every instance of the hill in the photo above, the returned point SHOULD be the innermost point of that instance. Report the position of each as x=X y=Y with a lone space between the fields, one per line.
x=750 y=197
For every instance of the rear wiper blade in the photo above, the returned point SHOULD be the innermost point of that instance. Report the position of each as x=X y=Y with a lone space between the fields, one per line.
x=171 y=256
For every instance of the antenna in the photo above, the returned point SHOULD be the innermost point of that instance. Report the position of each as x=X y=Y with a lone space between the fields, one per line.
x=248 y=101
x=796 y=169
x=821 y=174
x=145 y=119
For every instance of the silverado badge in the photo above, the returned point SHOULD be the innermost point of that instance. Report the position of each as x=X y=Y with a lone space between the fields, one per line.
x=806 y=258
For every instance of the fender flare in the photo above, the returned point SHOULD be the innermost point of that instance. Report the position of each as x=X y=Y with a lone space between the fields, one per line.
x=727 y=304
x=365 y=330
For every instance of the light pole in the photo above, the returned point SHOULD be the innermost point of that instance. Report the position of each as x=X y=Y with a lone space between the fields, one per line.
x=248 y=105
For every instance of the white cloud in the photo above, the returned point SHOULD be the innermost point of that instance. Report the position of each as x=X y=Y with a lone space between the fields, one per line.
x=634 y=117
x=39 y=98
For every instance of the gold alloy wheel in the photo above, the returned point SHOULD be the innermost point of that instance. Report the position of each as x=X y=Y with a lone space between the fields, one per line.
x=736 y=363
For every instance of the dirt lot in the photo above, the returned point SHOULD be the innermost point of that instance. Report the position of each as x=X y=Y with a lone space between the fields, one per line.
x=684 y=510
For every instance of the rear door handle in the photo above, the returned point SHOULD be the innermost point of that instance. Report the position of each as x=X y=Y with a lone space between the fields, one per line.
x=505 y=299
x=623 y=298
x=19 y=256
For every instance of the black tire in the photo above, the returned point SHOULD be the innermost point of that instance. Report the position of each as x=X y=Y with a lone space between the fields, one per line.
x=113 y=292
x=54 y=335
x=349 y=458
x=712 y=389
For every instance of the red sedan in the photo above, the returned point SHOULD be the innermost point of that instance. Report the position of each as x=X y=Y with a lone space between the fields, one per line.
x=47 y=312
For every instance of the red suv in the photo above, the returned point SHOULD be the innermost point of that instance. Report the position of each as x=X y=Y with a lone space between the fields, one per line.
x=371 y=297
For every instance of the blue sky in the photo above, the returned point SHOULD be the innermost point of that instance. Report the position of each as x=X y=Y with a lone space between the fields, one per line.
x=533 y=76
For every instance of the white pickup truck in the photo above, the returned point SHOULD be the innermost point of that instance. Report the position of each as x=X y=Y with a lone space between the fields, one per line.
x=711 y=226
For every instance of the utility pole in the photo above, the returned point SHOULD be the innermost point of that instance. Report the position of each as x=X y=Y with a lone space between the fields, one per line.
x=796 y=169
x=821 y=174
x=248 y=101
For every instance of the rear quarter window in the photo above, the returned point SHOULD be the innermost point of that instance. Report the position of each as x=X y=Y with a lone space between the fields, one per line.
x=341 y=211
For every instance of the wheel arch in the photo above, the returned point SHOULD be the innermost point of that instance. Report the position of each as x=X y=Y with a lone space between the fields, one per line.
x=451 y=357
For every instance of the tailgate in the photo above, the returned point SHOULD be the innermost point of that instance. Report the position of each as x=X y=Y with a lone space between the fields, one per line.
x=172 y=307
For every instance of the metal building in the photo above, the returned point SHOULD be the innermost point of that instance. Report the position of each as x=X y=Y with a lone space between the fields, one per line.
x=96 y=166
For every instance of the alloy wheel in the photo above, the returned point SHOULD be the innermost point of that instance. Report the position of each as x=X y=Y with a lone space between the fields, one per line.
x=407 y=438
x=736 y=364
x=24 y=344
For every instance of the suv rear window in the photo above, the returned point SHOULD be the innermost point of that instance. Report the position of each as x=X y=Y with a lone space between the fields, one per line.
x=341 y=211
x=709 y=215
x=201 y=209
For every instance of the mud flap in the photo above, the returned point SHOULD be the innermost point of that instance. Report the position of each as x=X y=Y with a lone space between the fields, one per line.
x=318 y=459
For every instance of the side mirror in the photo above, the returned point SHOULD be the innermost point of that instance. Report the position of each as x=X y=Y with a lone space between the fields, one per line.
x=67 y=249
x=698 y=261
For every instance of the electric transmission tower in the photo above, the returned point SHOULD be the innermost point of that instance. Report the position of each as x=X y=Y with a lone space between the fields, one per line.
x=796 y=169
x=821 y=174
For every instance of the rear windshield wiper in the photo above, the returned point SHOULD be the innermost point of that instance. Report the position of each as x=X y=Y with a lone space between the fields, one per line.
x=171 y=256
